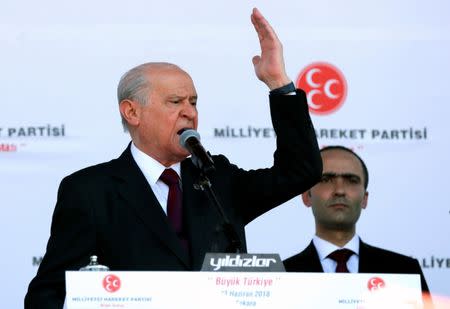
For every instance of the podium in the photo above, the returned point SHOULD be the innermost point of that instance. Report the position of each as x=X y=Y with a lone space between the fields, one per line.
x=201 y=290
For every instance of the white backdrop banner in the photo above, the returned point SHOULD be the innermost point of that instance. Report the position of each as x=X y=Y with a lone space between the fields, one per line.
x=377 y=75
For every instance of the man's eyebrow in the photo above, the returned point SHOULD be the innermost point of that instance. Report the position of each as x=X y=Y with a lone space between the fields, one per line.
x=345 y=175
x=329 y=174
x=176 y=96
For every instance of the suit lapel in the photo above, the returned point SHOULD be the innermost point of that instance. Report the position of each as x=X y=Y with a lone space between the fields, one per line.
x=305 y=261
x=365 y=258
x=312 y=261
x=199 y=214
x=135 y=190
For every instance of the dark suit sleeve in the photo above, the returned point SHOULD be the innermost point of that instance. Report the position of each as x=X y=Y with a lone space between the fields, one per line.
x=72 y=237
x=423 y=282
x=297 y=163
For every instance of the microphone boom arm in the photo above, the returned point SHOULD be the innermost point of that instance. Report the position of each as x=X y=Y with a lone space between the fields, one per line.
x=235 y=245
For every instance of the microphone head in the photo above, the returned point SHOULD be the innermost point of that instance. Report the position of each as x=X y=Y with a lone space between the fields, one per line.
x=187 y=134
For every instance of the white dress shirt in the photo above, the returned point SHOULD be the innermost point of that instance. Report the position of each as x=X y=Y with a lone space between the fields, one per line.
x=152 y=170
x=324 y=248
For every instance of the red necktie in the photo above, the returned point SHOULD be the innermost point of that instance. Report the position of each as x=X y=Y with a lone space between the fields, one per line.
x=341 y=257
x=174 y=202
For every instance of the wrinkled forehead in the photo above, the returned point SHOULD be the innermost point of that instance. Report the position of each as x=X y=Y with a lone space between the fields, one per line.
x=341 y=162
x=170 y=77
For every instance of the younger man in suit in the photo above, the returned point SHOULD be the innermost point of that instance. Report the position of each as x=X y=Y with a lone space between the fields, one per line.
x=336 y=202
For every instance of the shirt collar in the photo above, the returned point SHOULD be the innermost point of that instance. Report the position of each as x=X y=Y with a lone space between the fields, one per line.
x=324 y=248
x=150 y=167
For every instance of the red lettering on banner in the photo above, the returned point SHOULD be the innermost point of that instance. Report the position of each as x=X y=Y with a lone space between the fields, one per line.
x=8 y=148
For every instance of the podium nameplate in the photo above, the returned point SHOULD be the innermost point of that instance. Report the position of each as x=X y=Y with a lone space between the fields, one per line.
x=201 y=290
x=248 y=262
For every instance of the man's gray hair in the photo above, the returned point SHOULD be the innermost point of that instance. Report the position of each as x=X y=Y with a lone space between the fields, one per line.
x=135 y=84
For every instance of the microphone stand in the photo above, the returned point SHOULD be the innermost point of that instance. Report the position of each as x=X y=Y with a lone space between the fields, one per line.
x=235 y=245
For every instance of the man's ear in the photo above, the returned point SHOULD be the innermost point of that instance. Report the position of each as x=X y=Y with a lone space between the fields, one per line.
x=365 y=200
x=306 y=197
x=130 y=111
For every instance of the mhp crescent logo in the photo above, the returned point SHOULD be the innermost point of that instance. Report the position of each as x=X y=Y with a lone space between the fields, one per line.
x=111 y=283
x=375 y=284
x=325 y=87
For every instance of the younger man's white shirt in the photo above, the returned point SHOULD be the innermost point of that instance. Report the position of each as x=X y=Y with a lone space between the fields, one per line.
x=324 y=248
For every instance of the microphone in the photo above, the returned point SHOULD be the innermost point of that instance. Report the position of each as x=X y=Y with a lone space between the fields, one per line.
x=190 y=139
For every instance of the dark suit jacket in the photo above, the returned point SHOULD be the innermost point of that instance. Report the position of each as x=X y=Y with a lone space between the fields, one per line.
x=109 y=210
x=371 y=260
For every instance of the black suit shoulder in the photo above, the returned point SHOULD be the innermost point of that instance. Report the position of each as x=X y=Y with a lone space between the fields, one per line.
x=88 y=176
x=374 y=259
x=110 y=168
x=377 y=260
x=305 y=261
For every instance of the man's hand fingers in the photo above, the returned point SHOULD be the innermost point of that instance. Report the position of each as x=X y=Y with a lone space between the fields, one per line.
x=262 y=26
